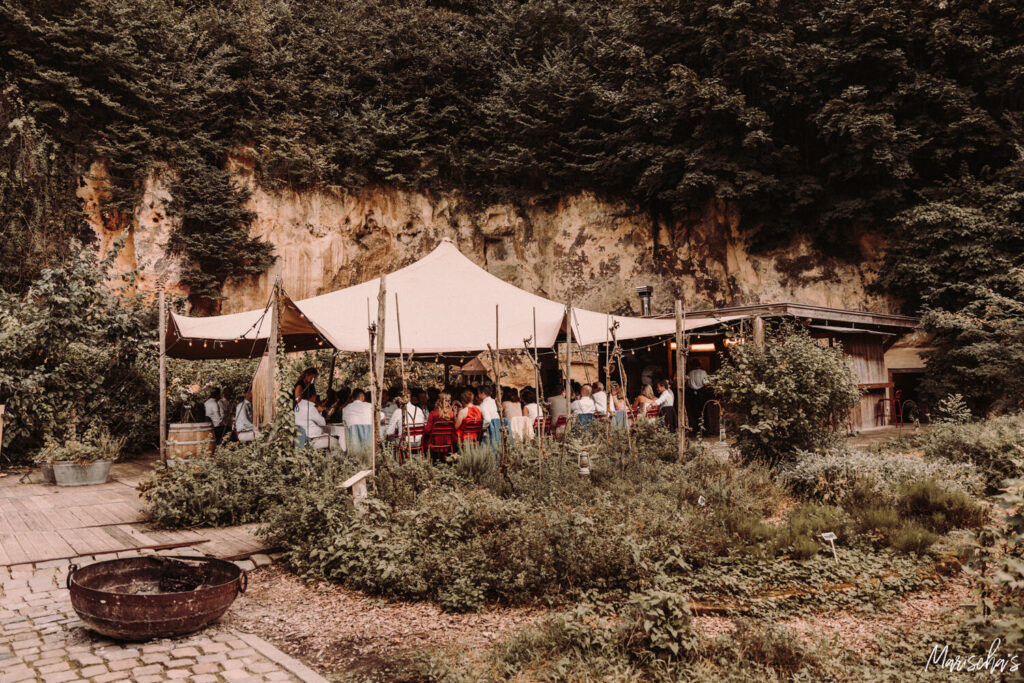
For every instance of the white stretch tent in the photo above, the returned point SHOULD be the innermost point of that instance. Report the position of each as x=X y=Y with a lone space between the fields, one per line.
x=446 y=303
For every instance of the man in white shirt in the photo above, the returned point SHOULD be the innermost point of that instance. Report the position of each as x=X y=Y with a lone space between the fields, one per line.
x=666 y=402
x=389 y=406
x=600 y=398
x=490 y=417
x=358 y=419
x=583 y=407
x=215 y=414
x=243 y=415
x=697 y=393
x=413 y=415
x=309 y=418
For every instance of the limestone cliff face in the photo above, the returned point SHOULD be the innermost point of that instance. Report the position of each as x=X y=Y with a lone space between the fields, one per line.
x=583 y=248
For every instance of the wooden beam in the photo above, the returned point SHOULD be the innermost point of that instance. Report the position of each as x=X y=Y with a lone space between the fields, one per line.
x=163 y=377
x=680 y=382
x=270 y=394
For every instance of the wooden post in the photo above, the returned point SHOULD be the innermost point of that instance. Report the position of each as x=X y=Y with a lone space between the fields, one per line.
x=378 y=369
x=497 y=390
x=402 y=400
x=680 y=382
x=163 y=375
x=759 y=332
x=270 y=396
x=625 y=388
x=539 y=388
x=608 y=403
x=568 y=363
x=2 y=409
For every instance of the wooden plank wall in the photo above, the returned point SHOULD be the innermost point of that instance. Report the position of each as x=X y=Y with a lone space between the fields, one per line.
x=867 y=356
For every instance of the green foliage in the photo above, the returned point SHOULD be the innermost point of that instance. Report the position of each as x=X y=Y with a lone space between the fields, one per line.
x=75 y=355
x=960 y=257
x=96 y=444
x=833 y=476
x=785 y=395
x=913 y=538
x=994 y=446
x=938 y=508
x=952 y=410
x=813 y=118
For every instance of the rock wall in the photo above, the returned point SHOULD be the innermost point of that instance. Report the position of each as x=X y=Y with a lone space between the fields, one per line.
x=584 y=248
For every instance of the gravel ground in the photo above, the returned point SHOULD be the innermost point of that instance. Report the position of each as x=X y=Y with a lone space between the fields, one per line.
x=334 y=630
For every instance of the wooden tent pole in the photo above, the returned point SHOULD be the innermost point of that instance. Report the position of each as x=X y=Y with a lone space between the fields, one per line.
x=404 y=398
x=680 y=379
x=378 y=366
x=163 y=374
x=497 y=390
x=538 y=387
x=270 y=395
x=608 y=412
x=568 y=363
x=625 y=387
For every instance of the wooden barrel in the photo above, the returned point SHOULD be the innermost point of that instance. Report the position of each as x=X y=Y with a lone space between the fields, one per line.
x=190 y=439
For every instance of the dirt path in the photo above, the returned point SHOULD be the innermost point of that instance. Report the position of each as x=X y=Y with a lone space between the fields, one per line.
x=334 y=629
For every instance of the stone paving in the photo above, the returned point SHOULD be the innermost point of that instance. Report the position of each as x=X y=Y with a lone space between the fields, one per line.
x=42 y=639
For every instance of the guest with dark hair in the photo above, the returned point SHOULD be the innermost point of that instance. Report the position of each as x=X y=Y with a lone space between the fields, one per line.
x=510 y=405
x=530 y=407
x=490 y=416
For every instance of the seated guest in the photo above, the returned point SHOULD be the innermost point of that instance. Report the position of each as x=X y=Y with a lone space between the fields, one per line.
x=391 y=403
x=620 y=407
x=600 y=399
x=302 y=384
x=308 y=417
x=413 y=415
x=358 y=418
x=510 y=405
x=468 y=412
x=557 y=404
x=227 y=409
x=530 y=407
x=583 y=407
x=697 y=393
x=645 y=396
x=666 y=402
x=215 y=414
x=439 y=433
x=244 y=427
x=490 y=416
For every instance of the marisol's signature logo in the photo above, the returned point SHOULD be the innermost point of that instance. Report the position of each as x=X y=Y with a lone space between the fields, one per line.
x=992 y=662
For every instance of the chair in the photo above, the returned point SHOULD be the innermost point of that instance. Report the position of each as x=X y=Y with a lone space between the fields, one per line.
x=469 y=430
x=441 y=440
x=889 y=410
x=359 y=436
x=560 y=423
x=586 y=419
x=542 y=425
x=652 y=411
x=321 y=442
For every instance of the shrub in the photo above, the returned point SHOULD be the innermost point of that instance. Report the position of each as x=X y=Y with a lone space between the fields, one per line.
x=913 y=538
x=832 y=476
x=784 y=395
x=938 y=508
x=995 y=446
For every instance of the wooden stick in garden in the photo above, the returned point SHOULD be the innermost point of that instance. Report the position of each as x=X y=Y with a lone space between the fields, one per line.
x=496 y=355
x=607 y=379
x=680 y=377
x=163 y=375
x=617 y=351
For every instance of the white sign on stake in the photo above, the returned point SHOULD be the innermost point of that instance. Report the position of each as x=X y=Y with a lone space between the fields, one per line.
x=831 y=538
x=701 y=501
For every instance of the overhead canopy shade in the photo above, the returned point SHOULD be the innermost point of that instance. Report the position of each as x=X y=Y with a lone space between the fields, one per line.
x=446 y=304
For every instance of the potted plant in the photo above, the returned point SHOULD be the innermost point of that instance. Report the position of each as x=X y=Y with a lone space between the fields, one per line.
x=83 y=461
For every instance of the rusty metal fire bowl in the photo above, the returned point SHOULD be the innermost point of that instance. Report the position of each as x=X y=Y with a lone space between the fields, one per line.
x=147 y=597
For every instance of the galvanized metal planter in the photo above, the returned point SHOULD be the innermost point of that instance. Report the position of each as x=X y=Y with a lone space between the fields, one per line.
x=121 y=598
x=46 y=471
x=76 y=474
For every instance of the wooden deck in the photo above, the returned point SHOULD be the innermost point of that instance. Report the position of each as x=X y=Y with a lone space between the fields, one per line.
x=42 y=522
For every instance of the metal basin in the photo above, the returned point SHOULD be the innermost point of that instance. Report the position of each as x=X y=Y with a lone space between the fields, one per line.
x=123 y=599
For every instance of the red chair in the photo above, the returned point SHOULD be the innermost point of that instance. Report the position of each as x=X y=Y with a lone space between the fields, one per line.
x=889 y=410
x=441 y=440
x=404 y=443
x=542 y=425
x=469 y=430
x=560 y=423
x=653 y=410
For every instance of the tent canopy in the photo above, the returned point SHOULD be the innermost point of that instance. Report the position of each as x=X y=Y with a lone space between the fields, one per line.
x=446 y=304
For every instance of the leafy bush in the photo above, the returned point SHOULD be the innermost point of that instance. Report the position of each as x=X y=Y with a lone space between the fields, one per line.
x=914 y=538
x=74 y=354
x=833 y=476
x=995 y=446
x=96 y=444
x=785 y=395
